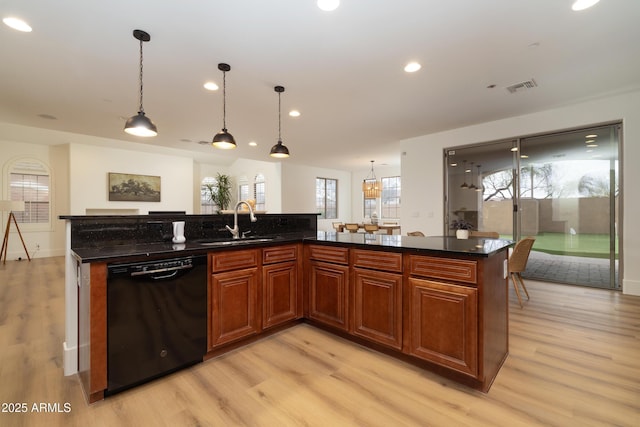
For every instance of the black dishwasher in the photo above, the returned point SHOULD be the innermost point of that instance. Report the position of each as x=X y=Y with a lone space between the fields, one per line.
x=156 y=319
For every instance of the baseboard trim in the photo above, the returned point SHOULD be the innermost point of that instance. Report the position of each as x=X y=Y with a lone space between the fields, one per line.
x=631 y=287
x=70 y=359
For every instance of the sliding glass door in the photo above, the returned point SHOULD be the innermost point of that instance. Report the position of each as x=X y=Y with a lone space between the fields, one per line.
x=560 y=188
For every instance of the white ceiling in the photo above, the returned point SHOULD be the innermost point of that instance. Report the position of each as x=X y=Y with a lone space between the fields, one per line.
x=343 y=70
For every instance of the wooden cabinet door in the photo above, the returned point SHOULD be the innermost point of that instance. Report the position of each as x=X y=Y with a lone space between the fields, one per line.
x=378 y=306
x=235 y=309
x=328 y=297
x=280 y=293
x=443 y=324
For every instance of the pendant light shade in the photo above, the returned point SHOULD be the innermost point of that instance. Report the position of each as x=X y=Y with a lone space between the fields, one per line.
x=371 y=187
x=141 y=125
x=224 y=139
x=279 y=150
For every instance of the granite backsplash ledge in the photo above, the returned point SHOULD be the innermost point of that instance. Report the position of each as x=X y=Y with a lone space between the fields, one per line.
x=109 y=230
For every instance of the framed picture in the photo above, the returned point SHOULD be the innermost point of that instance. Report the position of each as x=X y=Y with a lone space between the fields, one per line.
x=125 y=187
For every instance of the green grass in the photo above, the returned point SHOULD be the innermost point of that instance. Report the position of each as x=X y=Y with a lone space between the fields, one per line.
x=584 y=245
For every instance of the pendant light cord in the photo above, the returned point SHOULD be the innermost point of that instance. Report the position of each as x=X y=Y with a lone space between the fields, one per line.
x=224 y=101
x=373 y=174
x=141 y=87
x=279 y=119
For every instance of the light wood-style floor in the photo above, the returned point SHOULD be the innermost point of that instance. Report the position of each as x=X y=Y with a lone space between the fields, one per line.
x=574 y=361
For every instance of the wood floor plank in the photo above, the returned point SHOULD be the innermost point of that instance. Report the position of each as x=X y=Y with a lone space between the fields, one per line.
x=574 y=361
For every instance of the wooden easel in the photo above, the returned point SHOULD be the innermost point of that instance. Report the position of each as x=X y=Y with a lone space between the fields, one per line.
x=5 y=242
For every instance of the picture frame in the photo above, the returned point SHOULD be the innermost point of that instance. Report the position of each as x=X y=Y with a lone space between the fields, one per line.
x=126 y=187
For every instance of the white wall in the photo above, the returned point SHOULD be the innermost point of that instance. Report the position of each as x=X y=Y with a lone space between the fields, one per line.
x=299 y=190
x=422 y=165
x=90 y=167
x=50 y=239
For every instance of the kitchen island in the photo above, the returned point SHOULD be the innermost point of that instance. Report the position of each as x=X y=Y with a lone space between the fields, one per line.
x=437 y=302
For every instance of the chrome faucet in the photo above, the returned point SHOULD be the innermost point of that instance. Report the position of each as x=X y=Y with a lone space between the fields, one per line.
x=235 y=231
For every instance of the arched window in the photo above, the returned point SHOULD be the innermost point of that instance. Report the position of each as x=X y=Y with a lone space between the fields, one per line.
x=259 y=192
x=29 y=182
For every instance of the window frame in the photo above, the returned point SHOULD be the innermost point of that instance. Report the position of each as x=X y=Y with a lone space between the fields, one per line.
x=395 y=196
x=323 y=204
x=30 y=167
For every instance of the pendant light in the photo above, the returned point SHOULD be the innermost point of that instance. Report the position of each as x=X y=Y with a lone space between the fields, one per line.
x=473 y=185
x=481 y=187
x=141 y=125
x=464 y=185
x=371 y=187
x=279 y=151
x=224 y=139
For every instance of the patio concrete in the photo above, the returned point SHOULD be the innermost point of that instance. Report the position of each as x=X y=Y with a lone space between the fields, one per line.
x=593 y=272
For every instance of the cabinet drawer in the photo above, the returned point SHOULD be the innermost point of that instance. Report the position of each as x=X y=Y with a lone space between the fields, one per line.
x=387 y=261
x=279 y=254
x=233 y=260
x=443 y=268
x=332 y=254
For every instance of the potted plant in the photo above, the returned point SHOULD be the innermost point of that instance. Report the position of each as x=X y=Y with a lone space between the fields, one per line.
x=462 y=228
x=220 y=192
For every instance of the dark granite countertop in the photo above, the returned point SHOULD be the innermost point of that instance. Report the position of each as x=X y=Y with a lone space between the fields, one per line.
x=120 y=253
x=481 y=247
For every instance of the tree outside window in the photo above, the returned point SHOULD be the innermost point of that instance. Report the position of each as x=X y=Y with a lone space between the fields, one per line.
x=327 y=197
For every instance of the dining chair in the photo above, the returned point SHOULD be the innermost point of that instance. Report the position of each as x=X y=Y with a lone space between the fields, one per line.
x=371 y=228
x=351 y=227
x=338 y=226
x=415 y=233
x=490 y=234
x=518 y=263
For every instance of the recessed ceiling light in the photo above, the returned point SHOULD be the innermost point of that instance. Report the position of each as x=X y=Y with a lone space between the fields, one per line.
x=592 y=145
x=514 y=148
x=412 y=67
x=593 y=135
x=453 y=165
x=328 y=5
x=524 y=156
x=589 y=141
x=583 y=4
x=17 y=24
x=211 y=86
x=294 y=113
x=253 y=144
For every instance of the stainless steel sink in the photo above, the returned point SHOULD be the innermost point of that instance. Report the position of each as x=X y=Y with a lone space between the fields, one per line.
x=235 y=242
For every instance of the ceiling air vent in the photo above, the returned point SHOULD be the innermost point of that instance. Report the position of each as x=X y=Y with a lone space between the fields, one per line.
x=519 y=87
